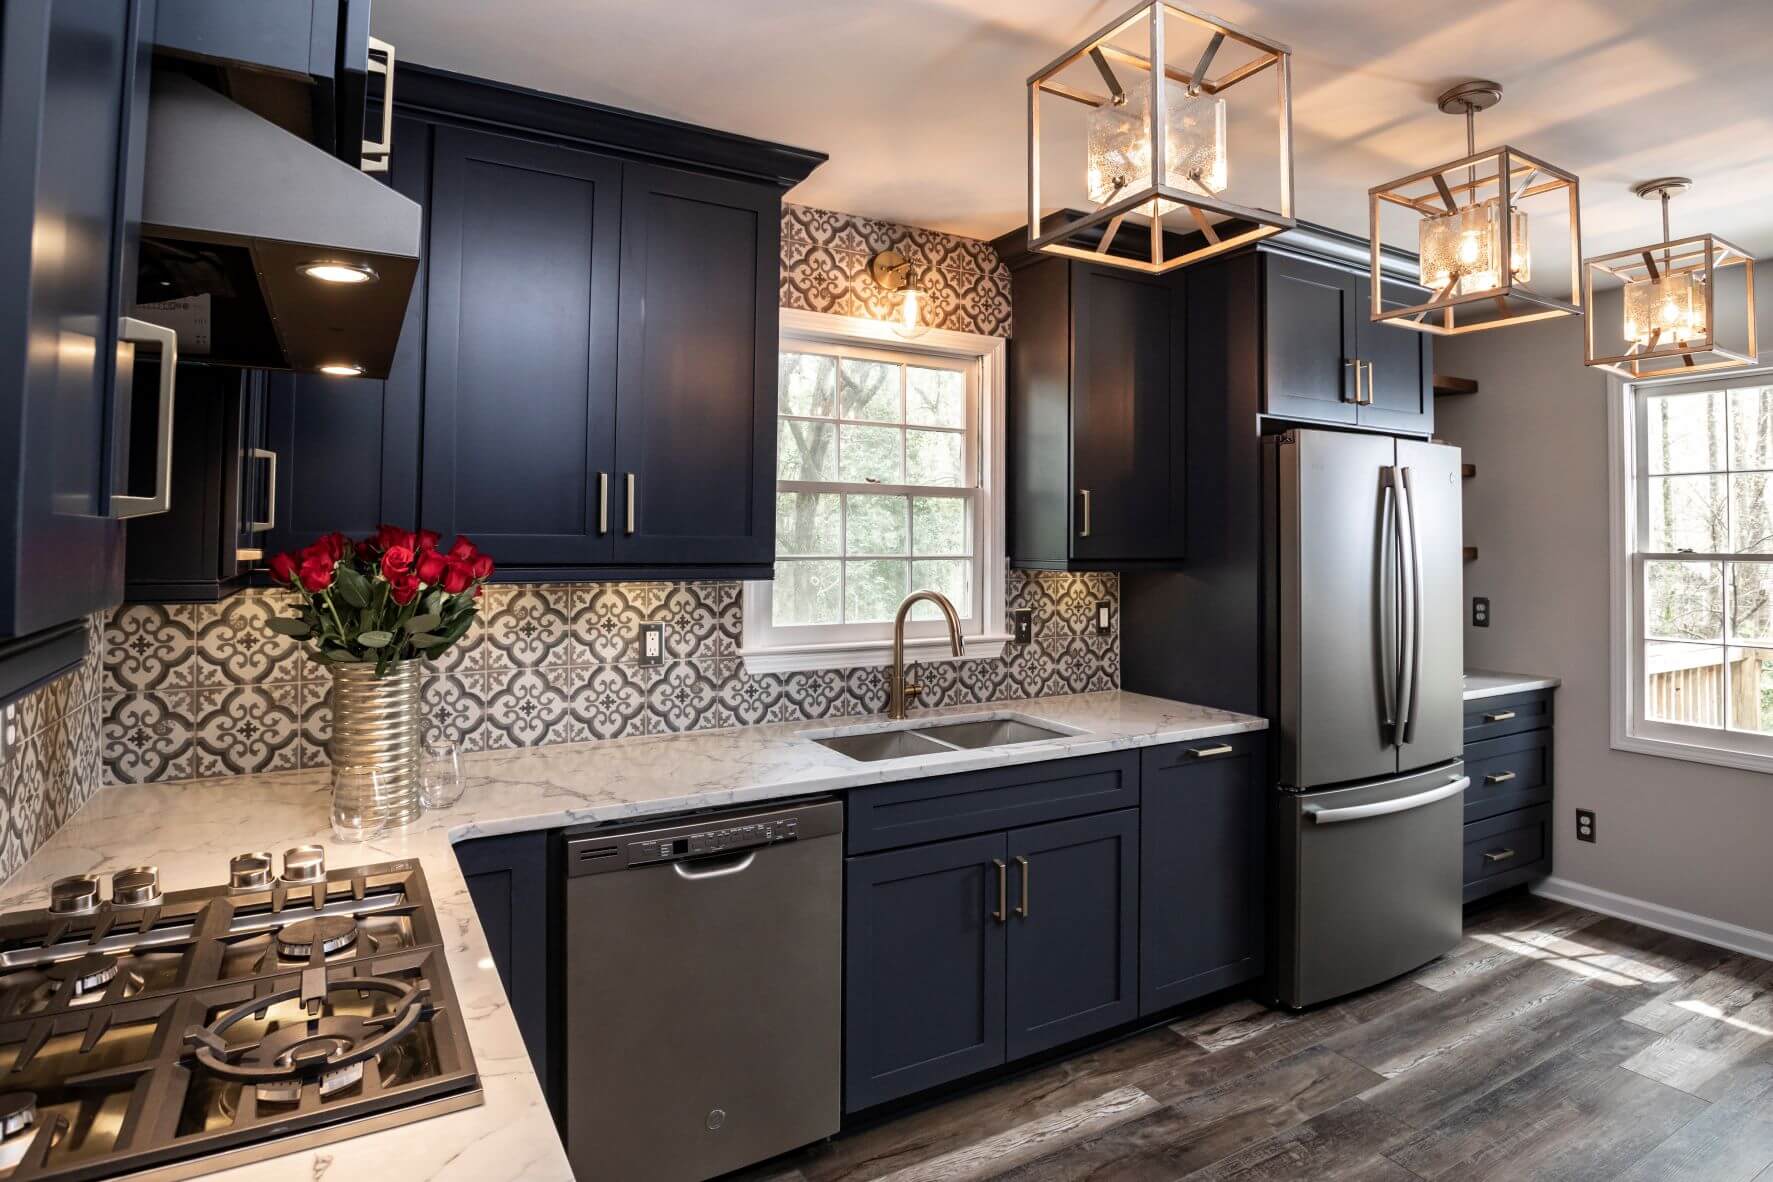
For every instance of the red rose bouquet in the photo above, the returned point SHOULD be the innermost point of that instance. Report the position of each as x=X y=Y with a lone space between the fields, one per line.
x=384 y=599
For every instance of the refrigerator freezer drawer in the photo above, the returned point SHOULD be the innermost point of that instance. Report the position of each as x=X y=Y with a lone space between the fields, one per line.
x=1368 y=882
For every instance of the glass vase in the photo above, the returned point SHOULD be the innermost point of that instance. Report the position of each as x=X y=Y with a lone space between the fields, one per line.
x=376 y=724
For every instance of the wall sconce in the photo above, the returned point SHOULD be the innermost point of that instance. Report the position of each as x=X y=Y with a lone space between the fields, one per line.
x=909 y=305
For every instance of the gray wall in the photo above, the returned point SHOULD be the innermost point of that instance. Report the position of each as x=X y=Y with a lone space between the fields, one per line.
x=1684 y=835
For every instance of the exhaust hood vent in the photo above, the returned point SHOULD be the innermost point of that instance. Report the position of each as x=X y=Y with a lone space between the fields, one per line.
x=243 y=223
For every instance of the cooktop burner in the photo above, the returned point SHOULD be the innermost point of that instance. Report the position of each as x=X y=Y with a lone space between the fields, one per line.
x=296 y=941
x=209 y=1028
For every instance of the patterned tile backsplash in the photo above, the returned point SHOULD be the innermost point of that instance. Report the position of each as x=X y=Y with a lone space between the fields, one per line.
x=206 y=690
x=50 y=765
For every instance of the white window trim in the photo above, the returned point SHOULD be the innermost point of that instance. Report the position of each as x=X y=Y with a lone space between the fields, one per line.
x=762 y=655
x=1630 y=730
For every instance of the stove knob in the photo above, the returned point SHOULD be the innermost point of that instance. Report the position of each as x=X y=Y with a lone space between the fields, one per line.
x=77 y=894
x=135 y=886
x=304 y=863
x=247 y=871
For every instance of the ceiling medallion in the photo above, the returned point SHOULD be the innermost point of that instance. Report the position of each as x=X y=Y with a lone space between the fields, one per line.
x=1674 y=295
x=1151 y=149
x=1473 y=239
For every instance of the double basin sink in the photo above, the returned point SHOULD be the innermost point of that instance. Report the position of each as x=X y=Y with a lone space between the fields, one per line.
x=938 y=737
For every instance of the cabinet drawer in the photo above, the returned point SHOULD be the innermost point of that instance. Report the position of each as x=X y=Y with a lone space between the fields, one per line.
x=1505 y=850
x=978 y=802
x=1486 y=718
x=1508 y=773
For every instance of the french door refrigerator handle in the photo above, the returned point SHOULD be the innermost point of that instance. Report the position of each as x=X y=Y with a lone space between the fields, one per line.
x=1388 y=652
x=1360 y=812
x=1415 y=654
x=1406 y=536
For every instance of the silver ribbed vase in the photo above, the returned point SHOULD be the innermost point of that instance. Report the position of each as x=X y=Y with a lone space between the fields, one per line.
x=376 y=723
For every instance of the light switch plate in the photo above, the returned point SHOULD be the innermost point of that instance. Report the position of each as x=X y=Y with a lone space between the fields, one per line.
x=1023 y=620
x=652 y=644
x=1104 y=617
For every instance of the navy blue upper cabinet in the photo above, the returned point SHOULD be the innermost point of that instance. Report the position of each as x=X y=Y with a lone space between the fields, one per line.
x=695 y=416
x=520 y=355
x=73 y=111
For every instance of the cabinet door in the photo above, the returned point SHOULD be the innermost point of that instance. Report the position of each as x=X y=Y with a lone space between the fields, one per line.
x=1073 y=929
x=695 y=420
x=1310 y=341
x=923 y=968
x=1400 y=379
x=73 y=118
x=508 y=881
x=348 y=448
x=1126 y=418
x=520 y=348
x=1201 y=859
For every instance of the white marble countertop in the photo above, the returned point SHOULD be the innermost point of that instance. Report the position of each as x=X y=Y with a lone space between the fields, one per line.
x=190 y=830
x=1488 y=683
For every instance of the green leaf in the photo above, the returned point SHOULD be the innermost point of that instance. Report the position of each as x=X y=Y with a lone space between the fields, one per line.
x=353 y=587
x=434 y=602
x=425 y=623
x=287 y=627
x=374 y=639
x=428 y=640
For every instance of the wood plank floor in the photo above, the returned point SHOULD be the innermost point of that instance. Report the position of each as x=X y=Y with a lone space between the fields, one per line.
x=1553 y=1043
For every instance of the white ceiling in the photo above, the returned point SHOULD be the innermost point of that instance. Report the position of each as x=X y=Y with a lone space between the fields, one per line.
x=920 y=103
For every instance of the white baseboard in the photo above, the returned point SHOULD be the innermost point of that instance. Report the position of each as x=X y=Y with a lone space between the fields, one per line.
x=1664 y=919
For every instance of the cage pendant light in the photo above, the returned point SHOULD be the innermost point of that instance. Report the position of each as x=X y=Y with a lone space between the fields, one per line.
x=1475 y=243
x=1157 y=103
x=1677 y=294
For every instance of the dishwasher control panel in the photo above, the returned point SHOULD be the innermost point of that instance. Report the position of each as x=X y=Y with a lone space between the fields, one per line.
x=727 y=839
x=595 y=851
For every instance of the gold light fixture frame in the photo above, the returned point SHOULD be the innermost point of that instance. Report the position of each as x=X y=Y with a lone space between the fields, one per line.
x=1527 y=176
x=1270 y=55
x=1704 y=254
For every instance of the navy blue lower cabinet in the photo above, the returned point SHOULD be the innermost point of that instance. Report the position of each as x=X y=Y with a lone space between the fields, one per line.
x=1073 y=929
x=508 y=880
x=1201 y=866
x=923 y=967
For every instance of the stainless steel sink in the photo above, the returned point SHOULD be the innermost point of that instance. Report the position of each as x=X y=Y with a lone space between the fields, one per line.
x=878 y=745
x=936 y=737
x=992 y=732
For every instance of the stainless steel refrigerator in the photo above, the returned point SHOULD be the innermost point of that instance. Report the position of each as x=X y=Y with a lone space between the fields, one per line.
x=1363 y=562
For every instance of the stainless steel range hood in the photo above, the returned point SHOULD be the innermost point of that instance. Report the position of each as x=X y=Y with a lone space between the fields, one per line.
x=234 y=208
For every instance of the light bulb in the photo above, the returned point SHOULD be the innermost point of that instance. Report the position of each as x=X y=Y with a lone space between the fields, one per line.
x=335 y=272
x=908 y=313
x=1471 y=247
x=1670 y=309
x=342 y=369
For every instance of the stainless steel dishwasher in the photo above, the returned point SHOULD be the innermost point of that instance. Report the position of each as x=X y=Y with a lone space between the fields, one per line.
x=702 y=993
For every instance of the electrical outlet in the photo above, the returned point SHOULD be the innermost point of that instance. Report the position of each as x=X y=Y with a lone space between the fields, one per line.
x=652 y=644
x=1584 y=824
x=1480 y=611
x=1023 y=619
x=1104 y=617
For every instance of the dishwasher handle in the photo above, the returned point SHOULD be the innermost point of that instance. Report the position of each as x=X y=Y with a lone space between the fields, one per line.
x=721 y=867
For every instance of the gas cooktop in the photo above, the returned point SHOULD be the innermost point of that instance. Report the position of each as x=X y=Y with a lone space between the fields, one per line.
x=167 y=1035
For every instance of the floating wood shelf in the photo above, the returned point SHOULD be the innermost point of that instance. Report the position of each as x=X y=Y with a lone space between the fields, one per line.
x=1471 y=553
x=1445 y=384
x=1468 y=470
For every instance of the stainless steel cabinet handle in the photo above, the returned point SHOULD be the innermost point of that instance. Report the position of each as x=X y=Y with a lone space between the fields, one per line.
x=1210 y=752
x=1360 y=812
x=1002 y=914
x=1499 y=716
x=1370 y=383
x=1355 y=365
x=1085 y=531
x=1022 y=910
x=1501 y=855
x=1498 y=777
x=629 y=525
x=140 y=332
x=603 y=502
x=270 y=521
x=377 y=153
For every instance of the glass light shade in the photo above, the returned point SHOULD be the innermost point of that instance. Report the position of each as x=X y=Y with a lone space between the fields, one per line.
x=910 y=307
x=1465 y=245
x=1668 y=310
x=1119 y=144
